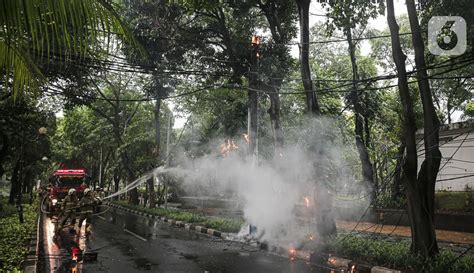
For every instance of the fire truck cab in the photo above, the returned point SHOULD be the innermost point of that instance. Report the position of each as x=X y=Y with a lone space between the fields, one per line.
x=61 y=181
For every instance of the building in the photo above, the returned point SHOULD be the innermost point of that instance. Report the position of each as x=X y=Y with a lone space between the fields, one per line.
x=457 y=149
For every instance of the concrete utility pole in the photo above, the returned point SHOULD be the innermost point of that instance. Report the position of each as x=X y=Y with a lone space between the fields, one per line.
x=168 y=134
x=100 y=168
x=252 y=129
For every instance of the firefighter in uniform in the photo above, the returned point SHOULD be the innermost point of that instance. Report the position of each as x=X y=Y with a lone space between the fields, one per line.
x=69 y=207
x=87 y=204
x=98 y=196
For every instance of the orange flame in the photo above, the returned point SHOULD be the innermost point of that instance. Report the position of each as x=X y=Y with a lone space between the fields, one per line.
x=227 y=147
x=255 y=40
x=306 y=201
x=246 y=137
x=353 y=268
x=292 y=254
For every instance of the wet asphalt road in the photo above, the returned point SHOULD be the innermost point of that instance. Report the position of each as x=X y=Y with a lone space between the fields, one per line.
x=130 y=243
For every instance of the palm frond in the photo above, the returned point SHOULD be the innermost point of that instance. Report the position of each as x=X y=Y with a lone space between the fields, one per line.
x=20 y=72
x=67 y=27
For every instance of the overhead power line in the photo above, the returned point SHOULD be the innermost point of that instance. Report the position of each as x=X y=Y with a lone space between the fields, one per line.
x=57 y=90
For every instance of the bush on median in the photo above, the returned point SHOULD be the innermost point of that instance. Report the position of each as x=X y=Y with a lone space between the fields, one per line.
x=221 y=224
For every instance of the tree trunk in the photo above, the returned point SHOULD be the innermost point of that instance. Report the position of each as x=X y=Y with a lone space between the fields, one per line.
x=430 y=166
x=277 y=75
x=15 y=181
x=116 y=180
x=253 y=104
x=422 y=229
x=157 y=127
x=3 y=151
x=367 y=168
x=151 y=191
x=311 y=98
x=274 y=112
x=397 y=183
x=325 y=223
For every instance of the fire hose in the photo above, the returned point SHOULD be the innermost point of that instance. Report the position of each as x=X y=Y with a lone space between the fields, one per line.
x=137 y=182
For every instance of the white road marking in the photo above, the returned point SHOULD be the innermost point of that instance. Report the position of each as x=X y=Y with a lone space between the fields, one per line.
x=134 y=234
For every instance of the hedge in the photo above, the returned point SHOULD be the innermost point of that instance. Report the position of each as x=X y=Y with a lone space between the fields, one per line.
x=221 y=224
x=14 y=237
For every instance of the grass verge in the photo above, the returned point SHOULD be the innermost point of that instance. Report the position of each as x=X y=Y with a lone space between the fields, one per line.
x=397 y=255
x=221 y=224
x=14 y=236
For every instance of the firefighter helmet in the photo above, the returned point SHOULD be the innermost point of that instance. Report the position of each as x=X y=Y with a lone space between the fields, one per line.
x=71 y=191
x=86 y=191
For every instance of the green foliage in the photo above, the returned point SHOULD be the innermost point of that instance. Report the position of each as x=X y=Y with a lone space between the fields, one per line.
x=386 y=200
x=44 y=28
x=469 y=110
x=397 y=255
x=14 y=238
x=7 y=210
x=225 y=225
x=221 y=224
x=460 y=201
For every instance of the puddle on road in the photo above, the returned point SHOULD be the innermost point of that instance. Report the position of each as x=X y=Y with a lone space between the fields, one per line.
x=188 y=256
x=143 y=263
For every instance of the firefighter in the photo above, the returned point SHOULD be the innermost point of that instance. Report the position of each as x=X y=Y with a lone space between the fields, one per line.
x=87 y=204
x=98 y=196
x=68 y=209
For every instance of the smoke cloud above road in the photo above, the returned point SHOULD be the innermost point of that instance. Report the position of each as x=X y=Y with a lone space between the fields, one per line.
x=278 y=195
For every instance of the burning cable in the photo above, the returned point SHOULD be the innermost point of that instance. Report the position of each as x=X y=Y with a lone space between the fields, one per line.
x=292 y=253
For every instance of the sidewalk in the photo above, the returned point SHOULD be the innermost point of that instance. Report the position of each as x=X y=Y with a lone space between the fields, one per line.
x=404 y=231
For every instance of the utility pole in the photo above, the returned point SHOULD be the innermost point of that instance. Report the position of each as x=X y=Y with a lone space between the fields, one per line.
x=168 y=134
x=252 y=129
x=100 y=167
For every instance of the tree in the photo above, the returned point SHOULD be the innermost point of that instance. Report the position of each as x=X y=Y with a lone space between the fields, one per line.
x=418 y=189
x=280 y=17
x=346 y=15
x=311 y=96
x=34 y=29
x=426 y=245
x=23 y=146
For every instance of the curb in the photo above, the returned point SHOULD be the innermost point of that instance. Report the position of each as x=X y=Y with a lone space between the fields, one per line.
x=30 y=264
x=180 y=224
x=308 y=256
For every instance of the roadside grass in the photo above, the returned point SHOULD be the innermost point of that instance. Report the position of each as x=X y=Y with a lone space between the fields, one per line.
x=397 y=255
x=14 y=237
x=221 y=224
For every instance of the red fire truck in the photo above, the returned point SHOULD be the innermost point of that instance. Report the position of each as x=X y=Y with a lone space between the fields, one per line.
x=61 y=181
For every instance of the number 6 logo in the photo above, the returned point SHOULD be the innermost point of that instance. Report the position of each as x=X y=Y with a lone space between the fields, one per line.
x=447 y=35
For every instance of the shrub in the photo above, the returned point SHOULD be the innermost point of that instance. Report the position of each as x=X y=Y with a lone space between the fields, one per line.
x=7 y=210
x=454 y=200
x=225 y=225
x=397 y=255
x=221 y=224
x=14 y=238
